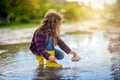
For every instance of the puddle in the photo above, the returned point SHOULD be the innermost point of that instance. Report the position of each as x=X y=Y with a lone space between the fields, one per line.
x=97 y=62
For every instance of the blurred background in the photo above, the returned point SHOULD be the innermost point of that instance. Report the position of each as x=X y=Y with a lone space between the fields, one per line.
x=13 y=12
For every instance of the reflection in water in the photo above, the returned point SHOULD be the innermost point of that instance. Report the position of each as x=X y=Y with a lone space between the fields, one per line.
x=18 y=63
x=47 y=74
x=114 y=48
x=59 y=74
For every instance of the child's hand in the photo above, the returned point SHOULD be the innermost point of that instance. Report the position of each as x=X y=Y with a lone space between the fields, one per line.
x=73 y=53
x=52 y=58
x=75 y=56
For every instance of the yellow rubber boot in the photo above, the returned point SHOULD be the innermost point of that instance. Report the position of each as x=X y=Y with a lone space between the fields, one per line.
x=40 y=60
x=51 y=64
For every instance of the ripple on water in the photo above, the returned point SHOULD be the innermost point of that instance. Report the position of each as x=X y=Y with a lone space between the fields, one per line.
x=18 y=63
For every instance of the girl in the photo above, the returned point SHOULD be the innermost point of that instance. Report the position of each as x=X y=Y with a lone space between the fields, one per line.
x=46 y=37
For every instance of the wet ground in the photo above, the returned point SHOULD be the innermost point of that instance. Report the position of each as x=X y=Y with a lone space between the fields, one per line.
x=100 y=57
x=97 y=63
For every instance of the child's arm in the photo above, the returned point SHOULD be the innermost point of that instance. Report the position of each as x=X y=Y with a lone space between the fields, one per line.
x=63 y=46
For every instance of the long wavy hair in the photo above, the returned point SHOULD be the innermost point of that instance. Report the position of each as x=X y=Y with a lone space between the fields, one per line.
x=51 y=26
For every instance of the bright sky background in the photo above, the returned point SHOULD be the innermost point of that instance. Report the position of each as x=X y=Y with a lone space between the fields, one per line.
x=95 y=3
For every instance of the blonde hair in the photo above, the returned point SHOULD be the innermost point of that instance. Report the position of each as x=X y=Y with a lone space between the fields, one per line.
x=51 y=25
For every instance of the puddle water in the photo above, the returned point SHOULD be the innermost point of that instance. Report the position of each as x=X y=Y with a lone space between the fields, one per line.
x=97 y=63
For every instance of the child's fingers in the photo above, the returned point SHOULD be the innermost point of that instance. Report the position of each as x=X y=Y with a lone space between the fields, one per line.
x=52 y=58
x=73 y=53
x=75 y=58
